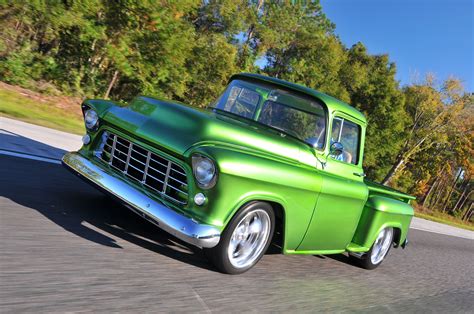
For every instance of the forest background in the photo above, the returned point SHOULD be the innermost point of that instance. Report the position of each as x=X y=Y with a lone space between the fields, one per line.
x=420 y=137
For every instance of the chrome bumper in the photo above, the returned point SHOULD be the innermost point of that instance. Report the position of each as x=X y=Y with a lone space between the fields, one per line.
x=186 y=229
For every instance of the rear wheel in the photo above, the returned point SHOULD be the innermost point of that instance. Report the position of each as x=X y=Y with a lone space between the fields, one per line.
x=245 y=239
x=377 y=252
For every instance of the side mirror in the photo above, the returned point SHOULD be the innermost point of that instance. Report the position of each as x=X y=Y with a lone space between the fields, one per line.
x=336 y=149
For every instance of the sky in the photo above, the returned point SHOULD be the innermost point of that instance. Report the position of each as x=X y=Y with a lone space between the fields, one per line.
x=420 y=36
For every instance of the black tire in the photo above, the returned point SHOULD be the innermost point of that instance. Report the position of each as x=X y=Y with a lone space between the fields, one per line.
x=365 y=261
x=218 y=255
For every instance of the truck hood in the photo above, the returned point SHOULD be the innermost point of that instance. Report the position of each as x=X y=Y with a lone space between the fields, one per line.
x=177 y=127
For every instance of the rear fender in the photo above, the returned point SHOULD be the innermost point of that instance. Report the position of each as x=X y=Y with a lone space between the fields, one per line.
x=382 y=212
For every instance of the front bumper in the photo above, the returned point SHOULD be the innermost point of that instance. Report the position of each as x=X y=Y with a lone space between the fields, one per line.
x=186 y=229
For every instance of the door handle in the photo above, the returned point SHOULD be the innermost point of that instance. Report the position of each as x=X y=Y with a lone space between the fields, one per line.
x=360 y=174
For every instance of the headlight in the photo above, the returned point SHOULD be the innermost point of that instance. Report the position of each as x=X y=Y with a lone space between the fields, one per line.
x=91 y=119
x=204 y=171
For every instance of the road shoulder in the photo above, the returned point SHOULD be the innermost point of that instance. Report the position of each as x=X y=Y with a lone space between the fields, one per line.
x=436 y=227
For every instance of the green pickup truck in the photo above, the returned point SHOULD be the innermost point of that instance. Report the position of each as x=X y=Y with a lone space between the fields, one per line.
x=268 y=161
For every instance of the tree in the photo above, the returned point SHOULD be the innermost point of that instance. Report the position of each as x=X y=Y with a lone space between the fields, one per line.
x=419 y=138
x=372 y=88
x=214 y=63
x=431 y=112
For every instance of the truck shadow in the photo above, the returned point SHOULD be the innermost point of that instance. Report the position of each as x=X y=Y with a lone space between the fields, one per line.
x=13 y=142
x=342 y=258
x=82 y=210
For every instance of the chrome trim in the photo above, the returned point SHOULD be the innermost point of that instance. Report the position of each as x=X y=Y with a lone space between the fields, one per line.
x=405 y=243
x=186 y=229
x=129 y=154
x=357 y=254
x=135 y=161
x=249 y=238
x=147 y=164
x=194 y=161
x=167 y=175
x=112 y=151
x=381 y=245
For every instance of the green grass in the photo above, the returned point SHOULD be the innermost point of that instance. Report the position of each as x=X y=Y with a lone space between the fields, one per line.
x=445 y=219
x=17 y=106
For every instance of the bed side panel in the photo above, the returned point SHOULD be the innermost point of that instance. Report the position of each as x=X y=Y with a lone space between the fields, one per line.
x=381 y=212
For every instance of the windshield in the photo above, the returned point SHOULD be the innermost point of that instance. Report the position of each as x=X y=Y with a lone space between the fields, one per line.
x=298 y=116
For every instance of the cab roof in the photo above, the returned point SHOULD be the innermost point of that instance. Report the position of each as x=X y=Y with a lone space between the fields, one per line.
x=332 y=103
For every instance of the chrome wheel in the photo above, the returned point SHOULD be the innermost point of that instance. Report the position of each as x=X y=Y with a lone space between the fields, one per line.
x=381 y=245
x=249 y=238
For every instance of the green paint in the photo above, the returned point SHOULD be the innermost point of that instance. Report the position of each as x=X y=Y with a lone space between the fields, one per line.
x=327 y=210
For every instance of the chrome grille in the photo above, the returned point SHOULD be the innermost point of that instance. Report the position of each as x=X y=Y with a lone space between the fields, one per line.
x=151 y=170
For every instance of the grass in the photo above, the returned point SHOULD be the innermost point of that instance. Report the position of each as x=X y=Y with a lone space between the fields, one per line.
x=445 y=219
x=14 y=104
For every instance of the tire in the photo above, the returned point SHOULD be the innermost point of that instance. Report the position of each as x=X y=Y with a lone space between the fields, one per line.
x=377 y=253
x=240 y=247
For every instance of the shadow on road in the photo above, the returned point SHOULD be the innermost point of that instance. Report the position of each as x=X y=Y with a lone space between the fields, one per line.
x=342 y=258
x=13 y=142
x=80 y=209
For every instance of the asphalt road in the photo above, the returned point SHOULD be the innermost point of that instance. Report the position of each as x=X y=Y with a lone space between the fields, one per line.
x=32 y=139
x=66 y=247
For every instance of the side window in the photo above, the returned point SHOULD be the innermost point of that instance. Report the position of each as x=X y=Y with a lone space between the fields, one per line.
x=348 y=134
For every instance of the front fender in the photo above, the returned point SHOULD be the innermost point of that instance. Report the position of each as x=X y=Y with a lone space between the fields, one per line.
x=245 y=176
x=99 y=105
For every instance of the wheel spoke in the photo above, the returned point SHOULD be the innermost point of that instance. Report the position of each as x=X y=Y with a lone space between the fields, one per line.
x=381 y=245
x=246 y=248
x=233 y=246
x=248 y=219
x=255 y=226
x=249 y=238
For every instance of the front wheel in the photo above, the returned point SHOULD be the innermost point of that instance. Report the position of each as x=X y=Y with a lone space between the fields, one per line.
x=245 y=239
x=378 y=251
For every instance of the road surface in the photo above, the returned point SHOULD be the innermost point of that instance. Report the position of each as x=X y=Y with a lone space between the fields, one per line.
x=65 y=247
x=18 y=136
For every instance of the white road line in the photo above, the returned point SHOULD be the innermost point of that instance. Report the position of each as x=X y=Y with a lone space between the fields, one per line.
x=201 y=301
x=29 y=156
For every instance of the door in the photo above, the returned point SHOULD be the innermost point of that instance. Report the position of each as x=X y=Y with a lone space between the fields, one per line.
x=343 y=194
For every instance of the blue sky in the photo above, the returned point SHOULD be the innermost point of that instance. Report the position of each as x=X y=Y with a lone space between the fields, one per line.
x=420 y=36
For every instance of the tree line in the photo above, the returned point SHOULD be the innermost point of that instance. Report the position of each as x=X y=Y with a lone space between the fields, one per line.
x=419 y=136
